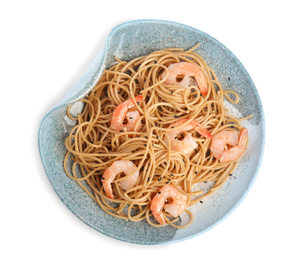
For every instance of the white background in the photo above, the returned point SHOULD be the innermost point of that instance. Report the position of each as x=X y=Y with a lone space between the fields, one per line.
x=46 y=45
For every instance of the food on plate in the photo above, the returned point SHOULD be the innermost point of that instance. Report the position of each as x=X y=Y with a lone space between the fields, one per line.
x=151 y=130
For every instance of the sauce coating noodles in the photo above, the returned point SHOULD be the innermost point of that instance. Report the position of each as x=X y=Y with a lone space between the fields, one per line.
x=93 y=145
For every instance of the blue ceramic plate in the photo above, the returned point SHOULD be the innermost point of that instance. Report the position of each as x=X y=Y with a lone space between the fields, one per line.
x=127 y=41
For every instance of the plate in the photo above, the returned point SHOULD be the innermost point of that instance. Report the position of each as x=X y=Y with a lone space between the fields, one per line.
x=127 y=41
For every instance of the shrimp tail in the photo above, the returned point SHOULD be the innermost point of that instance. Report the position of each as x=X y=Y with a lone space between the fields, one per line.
x=243 y=138
x=137 y=99
x=202 y=84
x=130 y=102
x=202 y=130
x=157 y=207
x=160 y=218
x=108 y=190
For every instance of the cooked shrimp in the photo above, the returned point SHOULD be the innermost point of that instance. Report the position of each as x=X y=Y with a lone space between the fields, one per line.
x=229 y=145
x=127 y=167
x=188 y=144
x=121 y=113
x=188 y=70
x=174 y=208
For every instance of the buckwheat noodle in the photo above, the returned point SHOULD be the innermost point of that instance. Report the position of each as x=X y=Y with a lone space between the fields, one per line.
x=92 y=146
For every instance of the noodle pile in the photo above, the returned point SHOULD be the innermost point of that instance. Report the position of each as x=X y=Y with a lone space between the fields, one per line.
x=93 y=146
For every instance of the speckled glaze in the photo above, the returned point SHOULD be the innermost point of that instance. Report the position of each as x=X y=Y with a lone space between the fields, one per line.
x=127 y=41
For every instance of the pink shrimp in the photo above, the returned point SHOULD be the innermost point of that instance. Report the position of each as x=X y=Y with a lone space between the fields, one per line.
x=127 y=167
x=121 y=113
x=188 y=70
x=188 y=144
x=174 y=208
x=229 y=145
